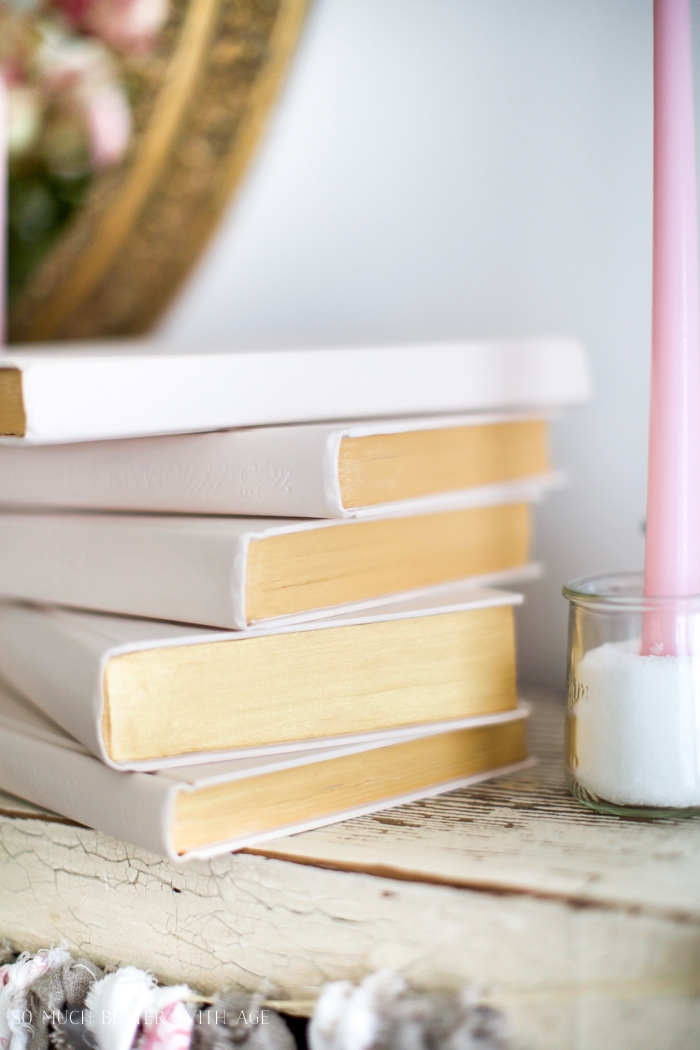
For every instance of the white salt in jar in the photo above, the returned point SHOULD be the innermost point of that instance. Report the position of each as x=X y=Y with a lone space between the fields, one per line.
x=633 y=722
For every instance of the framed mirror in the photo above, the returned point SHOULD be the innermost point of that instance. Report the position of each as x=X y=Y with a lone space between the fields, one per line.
x=120 y=241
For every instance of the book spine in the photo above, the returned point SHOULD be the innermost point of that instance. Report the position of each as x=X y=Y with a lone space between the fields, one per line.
x=131 y=806
x=135 y=566
x=278 y=471
x=57 y=666
x=135 y=392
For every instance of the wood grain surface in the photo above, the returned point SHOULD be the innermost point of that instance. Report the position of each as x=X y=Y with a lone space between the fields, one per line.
x=521 y=834
x=586 y=929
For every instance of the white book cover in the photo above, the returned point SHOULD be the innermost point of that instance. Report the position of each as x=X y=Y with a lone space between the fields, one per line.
x=41 y=763
x=175 y=567
x=288 y=472
x=58 y=657
x=133 y=389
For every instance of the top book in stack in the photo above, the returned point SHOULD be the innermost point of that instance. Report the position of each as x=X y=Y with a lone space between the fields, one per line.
x=102 y=391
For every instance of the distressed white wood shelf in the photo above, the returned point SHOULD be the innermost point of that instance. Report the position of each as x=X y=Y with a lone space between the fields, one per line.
x=586 y=929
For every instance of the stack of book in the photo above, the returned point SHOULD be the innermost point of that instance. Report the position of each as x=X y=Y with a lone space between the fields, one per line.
x=246 y=594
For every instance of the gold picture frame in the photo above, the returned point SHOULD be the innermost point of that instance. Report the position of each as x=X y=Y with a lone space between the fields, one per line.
x=198 y=118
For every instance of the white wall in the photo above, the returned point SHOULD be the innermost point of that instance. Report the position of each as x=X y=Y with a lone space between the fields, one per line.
x=465 y=167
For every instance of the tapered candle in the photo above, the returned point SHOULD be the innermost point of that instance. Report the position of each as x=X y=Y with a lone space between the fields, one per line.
x=672 y=560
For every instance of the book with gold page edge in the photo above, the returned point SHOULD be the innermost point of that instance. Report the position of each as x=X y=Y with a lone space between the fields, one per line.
x=130 y=389
x=317 y=470
x=232 y=572
x=204 y=810
x=145 y=695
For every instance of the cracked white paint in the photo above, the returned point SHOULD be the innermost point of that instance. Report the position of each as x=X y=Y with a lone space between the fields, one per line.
x=598 y=948
x=245 y=918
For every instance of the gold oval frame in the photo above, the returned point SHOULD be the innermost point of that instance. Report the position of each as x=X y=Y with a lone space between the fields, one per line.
x=144 y=225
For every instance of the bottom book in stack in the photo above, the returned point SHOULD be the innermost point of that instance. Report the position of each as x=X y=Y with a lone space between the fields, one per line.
x=190 y=742
x=202 y=810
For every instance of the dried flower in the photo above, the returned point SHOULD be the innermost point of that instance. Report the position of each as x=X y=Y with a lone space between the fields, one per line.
x=383 y=1013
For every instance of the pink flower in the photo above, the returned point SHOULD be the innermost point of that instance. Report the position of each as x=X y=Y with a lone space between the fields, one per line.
x=108 y=120
x=167 y=1026
x=127 y=25
x=87 y=111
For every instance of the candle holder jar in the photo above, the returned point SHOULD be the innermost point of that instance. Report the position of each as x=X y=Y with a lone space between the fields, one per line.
x=633 y=720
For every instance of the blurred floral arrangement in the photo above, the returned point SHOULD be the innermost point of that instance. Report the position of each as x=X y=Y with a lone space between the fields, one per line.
x=65 y=64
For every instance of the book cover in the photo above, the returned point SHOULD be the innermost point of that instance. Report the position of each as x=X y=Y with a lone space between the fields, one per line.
x=233 y=572
x=336 y=470
x=131 y=389
x=146 y=695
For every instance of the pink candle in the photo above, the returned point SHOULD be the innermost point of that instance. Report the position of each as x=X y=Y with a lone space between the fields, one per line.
x=672 y=561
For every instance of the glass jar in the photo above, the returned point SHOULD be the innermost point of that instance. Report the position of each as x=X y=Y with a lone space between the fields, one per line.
x=633 y=711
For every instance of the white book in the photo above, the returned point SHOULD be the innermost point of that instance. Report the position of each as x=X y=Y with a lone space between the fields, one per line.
x=306 y=470
x=204 y=810
x=143 y=695
x=232 y=572
x=132 y=389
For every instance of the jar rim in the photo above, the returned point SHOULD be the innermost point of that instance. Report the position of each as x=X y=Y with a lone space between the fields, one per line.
x=620 y=590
